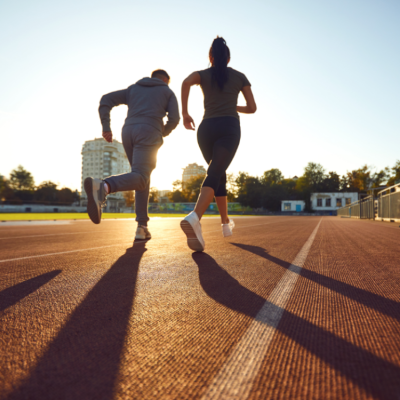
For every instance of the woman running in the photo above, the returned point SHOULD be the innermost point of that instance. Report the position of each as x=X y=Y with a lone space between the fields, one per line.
x=218 y=134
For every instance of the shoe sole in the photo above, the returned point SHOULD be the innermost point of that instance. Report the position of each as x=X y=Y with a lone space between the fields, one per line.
x=192 y=241
x=92 y=209
x=228 y=234
x=142 y=237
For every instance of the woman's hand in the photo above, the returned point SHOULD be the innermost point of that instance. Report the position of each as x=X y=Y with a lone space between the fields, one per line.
x=188 y=122
x=108 y=136
x=192 y=79
x=250 y=107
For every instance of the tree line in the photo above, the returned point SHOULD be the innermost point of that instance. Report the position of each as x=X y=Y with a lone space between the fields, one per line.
x=268 y=190
x=20 y=188
x=265 y=191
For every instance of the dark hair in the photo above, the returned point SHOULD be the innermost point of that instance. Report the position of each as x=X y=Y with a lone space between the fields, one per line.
x=160 y=72
x=219 y=51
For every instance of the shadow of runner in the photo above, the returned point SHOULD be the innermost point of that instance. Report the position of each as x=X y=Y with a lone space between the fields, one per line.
x=14 y=294
x=83 y=360
x=368 y=371
x=374 y=301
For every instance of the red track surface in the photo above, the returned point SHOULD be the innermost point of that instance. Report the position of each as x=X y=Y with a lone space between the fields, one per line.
x=84 y=314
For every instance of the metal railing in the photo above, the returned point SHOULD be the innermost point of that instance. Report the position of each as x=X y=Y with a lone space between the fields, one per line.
x=385 y=207
x=367 y=207
x=364 y=209
x=389 y=204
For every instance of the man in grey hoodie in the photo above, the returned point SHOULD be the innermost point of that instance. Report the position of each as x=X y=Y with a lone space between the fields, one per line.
x=148 y=101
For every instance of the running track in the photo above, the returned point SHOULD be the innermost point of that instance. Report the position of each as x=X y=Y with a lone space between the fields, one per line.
x=286 y=308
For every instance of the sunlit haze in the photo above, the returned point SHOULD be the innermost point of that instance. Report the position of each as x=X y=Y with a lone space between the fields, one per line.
x=325 y=76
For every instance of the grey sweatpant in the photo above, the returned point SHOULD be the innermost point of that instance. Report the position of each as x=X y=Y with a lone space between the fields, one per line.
x=141 y=143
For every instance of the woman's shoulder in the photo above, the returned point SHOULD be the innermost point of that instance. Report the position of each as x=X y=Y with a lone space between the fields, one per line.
x=205 y=71
x=240 y=76
x=236 y=72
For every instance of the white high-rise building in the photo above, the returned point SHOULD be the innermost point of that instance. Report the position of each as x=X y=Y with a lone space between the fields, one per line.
x=192 y=171
x=101 y=159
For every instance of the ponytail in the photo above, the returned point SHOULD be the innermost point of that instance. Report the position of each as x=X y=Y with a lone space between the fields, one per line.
x=220 y=53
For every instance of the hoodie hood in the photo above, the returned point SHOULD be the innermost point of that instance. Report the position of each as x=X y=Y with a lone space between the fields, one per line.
x=151 y=82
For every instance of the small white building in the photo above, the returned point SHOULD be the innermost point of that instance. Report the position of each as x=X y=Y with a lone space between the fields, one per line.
x=293 y=205
x=332 y=201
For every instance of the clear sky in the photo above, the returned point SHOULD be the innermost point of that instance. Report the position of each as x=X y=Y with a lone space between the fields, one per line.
x=325 y=76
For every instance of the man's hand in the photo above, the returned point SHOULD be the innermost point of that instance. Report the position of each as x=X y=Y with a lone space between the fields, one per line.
x=188 y=122
x=108 y=136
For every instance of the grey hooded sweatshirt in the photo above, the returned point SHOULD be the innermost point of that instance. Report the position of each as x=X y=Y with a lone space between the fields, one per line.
x=148 y=101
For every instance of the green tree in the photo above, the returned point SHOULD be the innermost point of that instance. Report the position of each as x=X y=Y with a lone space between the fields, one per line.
x=315 y=175
x=177 y=195
x=358 y=180
x=153 y=198
x=22 y=183
x=66 y=196
x=192 y=188
x=129 y=197
x=250 y=190
x=6 y=193
x=21 y=179
x=272 y=176
x=395 y=178
x=304 y=190
x=331 y=183
x=379 y=178
x=231 y=187
x=46 y=192
x=273 y=195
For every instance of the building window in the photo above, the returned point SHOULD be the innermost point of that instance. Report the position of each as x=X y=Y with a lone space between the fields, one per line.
x=287 y=206
x=338 y=202
x=319 y=202
x=348 y=201
x=328 y=203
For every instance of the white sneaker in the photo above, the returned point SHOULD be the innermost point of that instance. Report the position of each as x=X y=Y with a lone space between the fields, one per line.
x=192 y=228
x=142 y=233
x=96 y=196
x=227 y=228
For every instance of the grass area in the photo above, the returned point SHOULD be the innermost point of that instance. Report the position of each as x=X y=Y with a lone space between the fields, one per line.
x=74 y=216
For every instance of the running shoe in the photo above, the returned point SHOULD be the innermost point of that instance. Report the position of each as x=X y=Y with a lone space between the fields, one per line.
x=192 y=228
x=142 y=233
x=227 y=228
x=96 y=196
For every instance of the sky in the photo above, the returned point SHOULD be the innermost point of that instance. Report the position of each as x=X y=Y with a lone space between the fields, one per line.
x=325 y=77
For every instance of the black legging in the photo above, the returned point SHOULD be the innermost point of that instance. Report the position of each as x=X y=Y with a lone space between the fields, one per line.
x=218 y=139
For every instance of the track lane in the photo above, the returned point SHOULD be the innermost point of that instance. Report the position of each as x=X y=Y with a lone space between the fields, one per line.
x=167 y=287
x=339 y=335
x=176 y=317
x=73 y=241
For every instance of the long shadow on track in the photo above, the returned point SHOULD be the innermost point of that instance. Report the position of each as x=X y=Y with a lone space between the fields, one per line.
x=374 y=301
x=368 y=371
x=16 y=293
x=83 y=361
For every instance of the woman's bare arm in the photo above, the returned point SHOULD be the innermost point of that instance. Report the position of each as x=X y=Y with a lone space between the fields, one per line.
x=250 y=107
x=192 y=79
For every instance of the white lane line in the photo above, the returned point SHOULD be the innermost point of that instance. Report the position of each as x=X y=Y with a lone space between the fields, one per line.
x=112 y=245
x=236 y=377
x=61 y=252
x=55 y=234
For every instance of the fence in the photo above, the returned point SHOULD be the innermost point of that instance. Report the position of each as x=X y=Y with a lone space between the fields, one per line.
x=389 y=204
x=385 y=207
